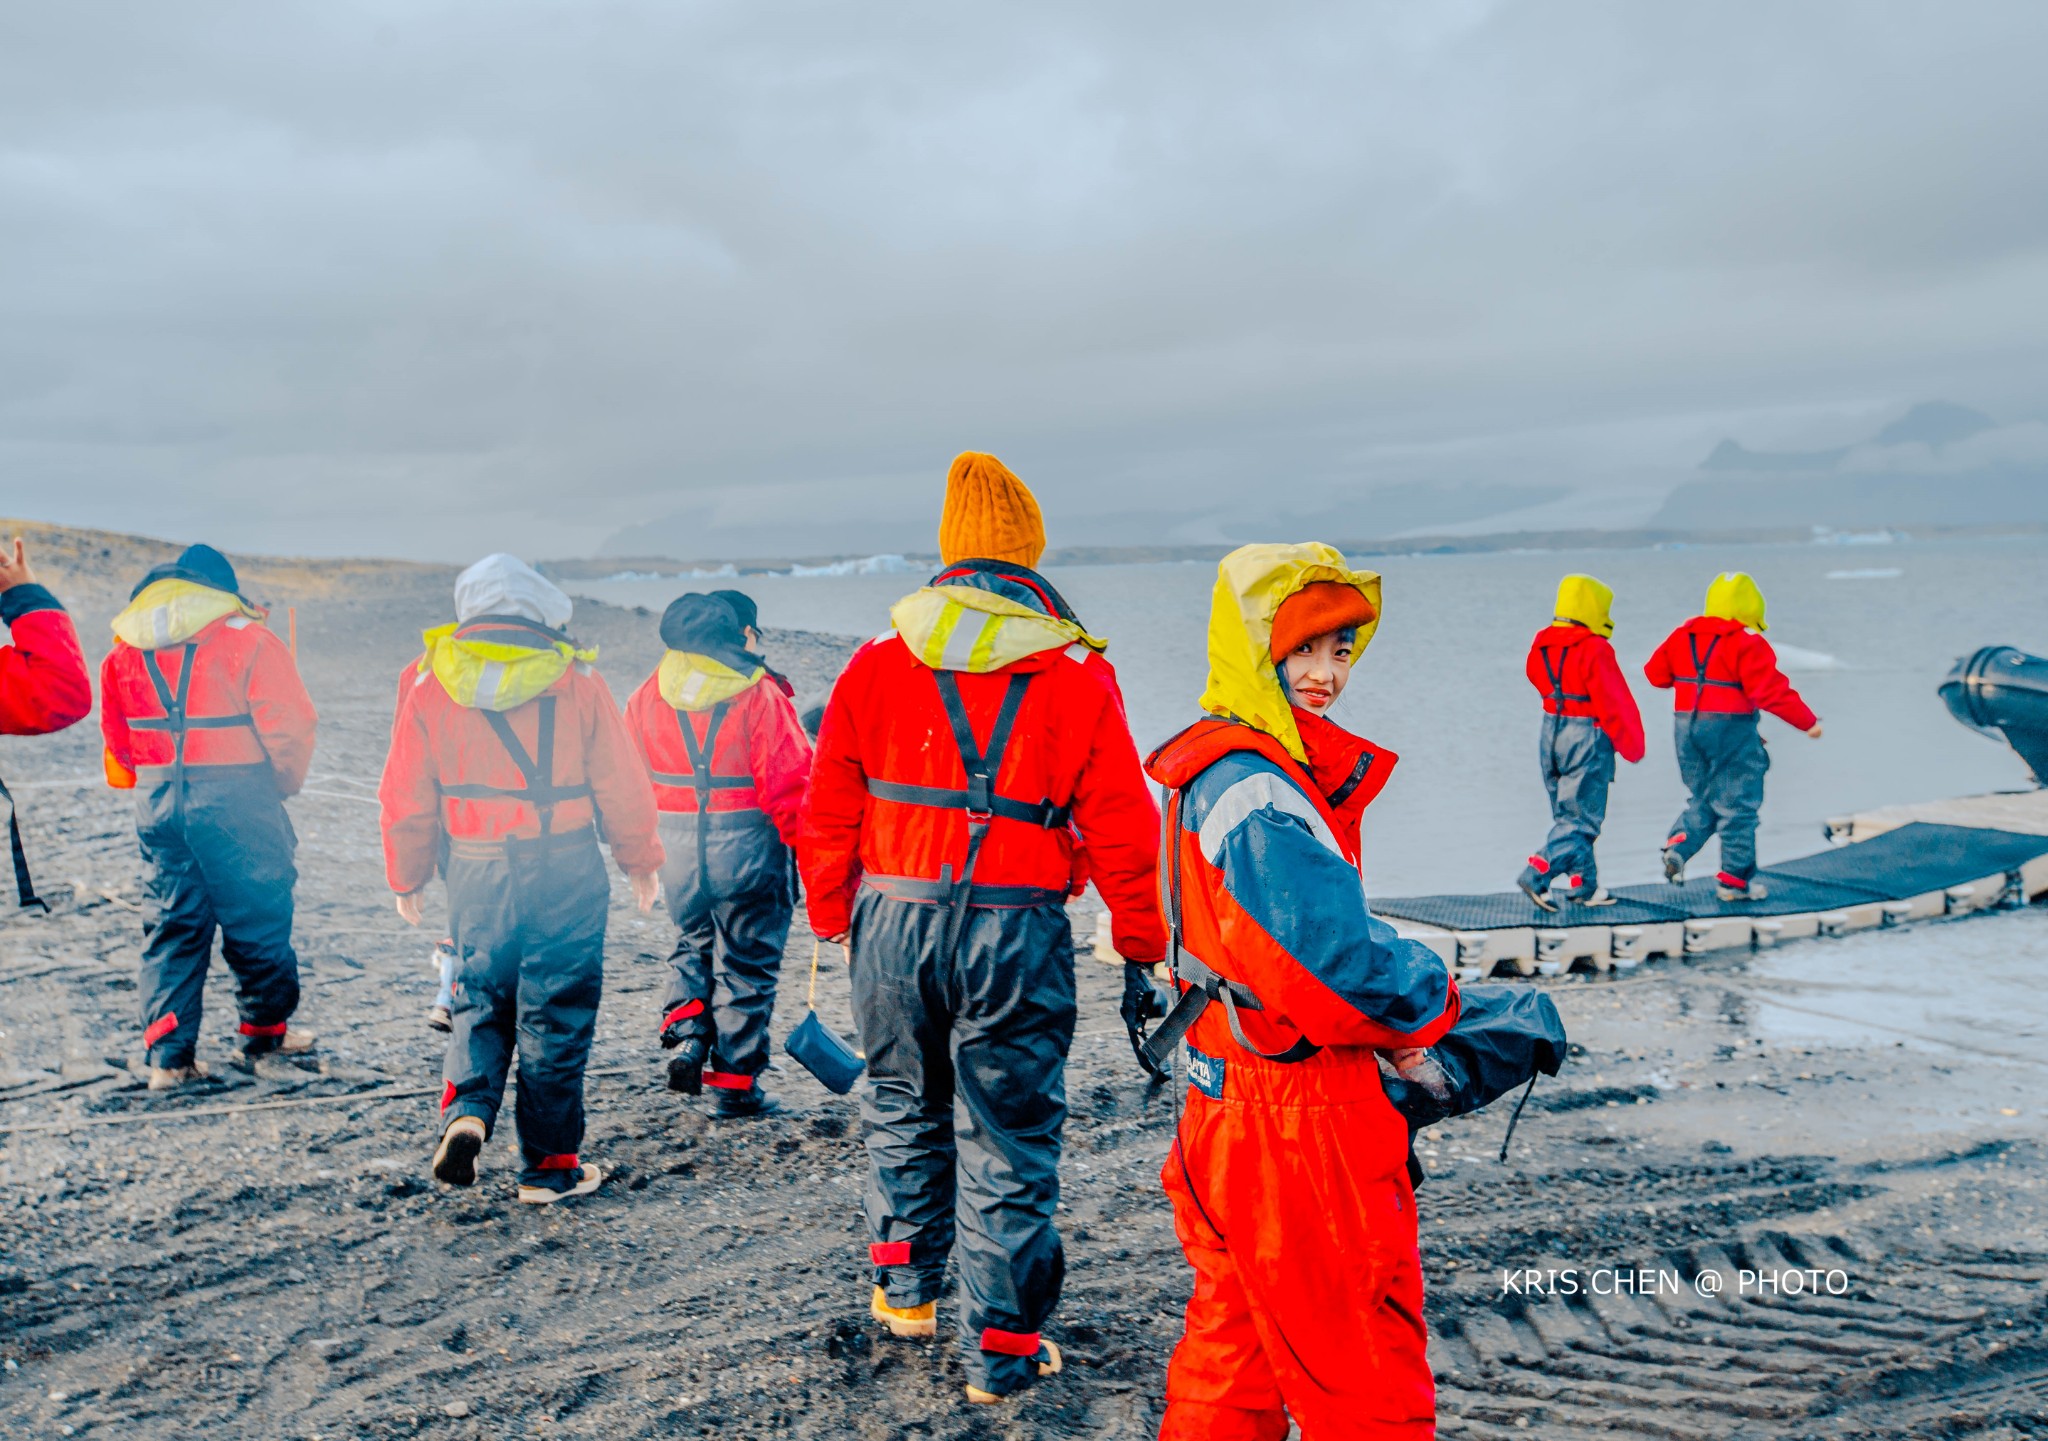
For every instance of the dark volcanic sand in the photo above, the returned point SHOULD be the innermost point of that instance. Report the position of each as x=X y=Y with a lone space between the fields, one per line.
x=292 y=1271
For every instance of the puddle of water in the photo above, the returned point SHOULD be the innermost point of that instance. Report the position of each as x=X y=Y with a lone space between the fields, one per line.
x=1977 y=985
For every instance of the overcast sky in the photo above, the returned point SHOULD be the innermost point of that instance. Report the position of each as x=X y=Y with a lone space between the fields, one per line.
x=432 y=279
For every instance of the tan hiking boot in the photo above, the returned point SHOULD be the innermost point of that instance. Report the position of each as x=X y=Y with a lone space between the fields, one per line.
x=910 y=1322
x=169 y=1078
x=548 y=1187
x=455 y=1157
x=1049 y=1363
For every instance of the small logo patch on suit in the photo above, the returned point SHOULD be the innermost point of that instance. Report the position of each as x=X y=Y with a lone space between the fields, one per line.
x=1205 y=1074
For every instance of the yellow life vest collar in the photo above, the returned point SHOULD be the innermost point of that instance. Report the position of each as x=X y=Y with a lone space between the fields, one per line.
x=692 y=682
x=963 y=627
x=171 y=611
x=498 y=668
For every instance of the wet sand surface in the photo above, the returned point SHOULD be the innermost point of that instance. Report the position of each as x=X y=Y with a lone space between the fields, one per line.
x=265 y=1254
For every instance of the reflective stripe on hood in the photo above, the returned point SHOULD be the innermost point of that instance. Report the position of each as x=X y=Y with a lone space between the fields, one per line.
x=965 y=627
x=693 y=682
x=499 y=664
x=170 y=612
x=1251 y=582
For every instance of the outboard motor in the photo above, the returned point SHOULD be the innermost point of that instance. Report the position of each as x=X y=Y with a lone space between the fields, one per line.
x=2003 y=693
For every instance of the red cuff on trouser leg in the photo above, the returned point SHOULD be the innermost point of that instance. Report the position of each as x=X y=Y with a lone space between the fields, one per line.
x=1539 y=865
x=447 y=1094
x=558 y=1163
x=1009 y=1343
x=1736 y=881
x=159 y=1028
x=682 y=1013
x=250 y=1029
x=889 y=1253
x=727 y=1081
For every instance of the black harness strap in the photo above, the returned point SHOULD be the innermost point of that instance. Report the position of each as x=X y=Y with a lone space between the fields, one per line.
x=702 y=781
x=1204 y=984
x=174 y=714
x=1699 y=668
x=1555 y=670
x=979 y=799
x=540 y=790
x=1353 y=781
x=24 y=888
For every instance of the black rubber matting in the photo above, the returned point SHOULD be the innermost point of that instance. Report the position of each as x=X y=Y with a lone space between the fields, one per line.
x=1909 y=861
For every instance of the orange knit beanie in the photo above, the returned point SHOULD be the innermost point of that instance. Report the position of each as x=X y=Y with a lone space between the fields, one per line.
x=989 y=514
x=1316 y=609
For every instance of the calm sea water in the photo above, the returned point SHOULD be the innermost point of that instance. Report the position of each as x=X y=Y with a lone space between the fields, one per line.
x=1866 y=633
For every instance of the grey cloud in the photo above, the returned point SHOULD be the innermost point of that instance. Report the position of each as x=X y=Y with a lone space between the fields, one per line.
x=437 y=278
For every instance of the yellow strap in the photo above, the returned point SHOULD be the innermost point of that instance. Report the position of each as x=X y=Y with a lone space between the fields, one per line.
x=811 y=1000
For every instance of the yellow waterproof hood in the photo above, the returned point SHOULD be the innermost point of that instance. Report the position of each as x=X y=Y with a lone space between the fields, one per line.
x=1251 y=582
x=1586 y=601
x=963 y=627
x=495 y=675
x=697 y=682
x=1734 y=596
x=170 y=612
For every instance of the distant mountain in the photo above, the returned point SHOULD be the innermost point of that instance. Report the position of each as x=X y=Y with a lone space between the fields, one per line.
x=1937 y=464
x=1733 y=455
x=1936 y=423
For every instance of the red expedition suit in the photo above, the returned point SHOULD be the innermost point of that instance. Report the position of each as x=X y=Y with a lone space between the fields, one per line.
x=1589 y=717
x=507 y=804
x=953 y=880
x=728 y=828
x=1721 y=674
x=43 y=687
x=1288 y=1175
x=212 y=729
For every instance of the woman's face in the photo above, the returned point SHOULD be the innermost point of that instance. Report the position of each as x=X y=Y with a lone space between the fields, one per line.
x=1319 y=669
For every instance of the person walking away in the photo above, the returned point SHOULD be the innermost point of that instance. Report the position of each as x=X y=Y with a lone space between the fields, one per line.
x=1589 y=717
x=1722 y=674
x=729 y=762
x=44 y=686
x=963 y=759
x=205 y=718
x=507 y=755
x=1288 y=1176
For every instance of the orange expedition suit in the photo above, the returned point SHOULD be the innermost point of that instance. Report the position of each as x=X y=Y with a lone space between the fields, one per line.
x=1288 y=1174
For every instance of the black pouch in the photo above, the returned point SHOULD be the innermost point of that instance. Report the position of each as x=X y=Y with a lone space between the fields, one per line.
x=1505 y=1037
x=821 y=1050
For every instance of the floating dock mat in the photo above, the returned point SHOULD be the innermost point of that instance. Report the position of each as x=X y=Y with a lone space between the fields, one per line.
x=1899 y=864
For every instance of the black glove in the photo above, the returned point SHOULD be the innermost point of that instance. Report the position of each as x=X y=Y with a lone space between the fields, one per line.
x=1144 y=1001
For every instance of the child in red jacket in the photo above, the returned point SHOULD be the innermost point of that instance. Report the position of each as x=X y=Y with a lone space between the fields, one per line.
x=1588 y=718
x=1722 y=673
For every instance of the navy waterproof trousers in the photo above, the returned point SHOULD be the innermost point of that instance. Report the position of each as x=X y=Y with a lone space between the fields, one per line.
x=219 y=850
x=966 y=1097
x=1722 y=760
x=528 y=921
x=1578 y=767
x=731 y=898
